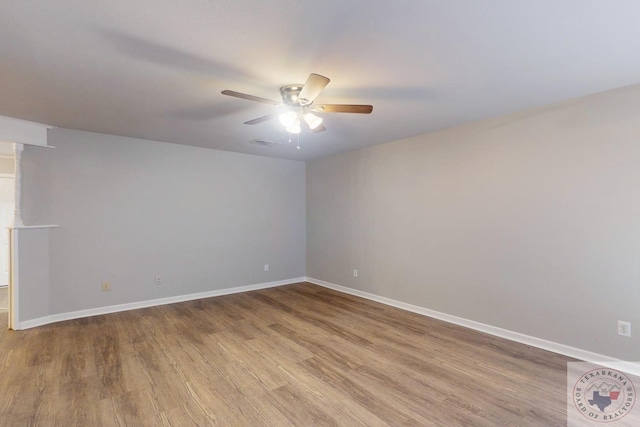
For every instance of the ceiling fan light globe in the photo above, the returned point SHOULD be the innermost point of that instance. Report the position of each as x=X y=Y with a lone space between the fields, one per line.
x=288 y=119
x=312 y=120
x=294 y=128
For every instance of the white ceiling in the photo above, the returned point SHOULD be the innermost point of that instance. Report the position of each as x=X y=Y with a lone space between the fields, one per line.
x=154 y=69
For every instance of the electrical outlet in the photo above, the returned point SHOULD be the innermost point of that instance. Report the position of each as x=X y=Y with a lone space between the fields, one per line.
x=266 y=267
x=355 y=273
x=624 y=328
x=106 y=286
x=158 y=280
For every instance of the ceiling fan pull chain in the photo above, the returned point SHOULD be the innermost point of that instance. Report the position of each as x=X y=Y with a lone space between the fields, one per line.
x=298 y=147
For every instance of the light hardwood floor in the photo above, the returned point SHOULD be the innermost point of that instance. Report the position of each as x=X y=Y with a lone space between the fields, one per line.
x=294 y=355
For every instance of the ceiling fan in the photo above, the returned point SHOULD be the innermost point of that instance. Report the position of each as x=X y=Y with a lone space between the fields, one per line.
x=298 y=100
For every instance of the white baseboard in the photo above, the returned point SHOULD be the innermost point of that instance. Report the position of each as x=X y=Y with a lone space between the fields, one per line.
x=577 y=353
x=150 y=303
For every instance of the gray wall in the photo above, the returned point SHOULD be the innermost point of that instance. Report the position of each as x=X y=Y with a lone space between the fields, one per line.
x=529 y=222
x=130 y=210
x=33 y=267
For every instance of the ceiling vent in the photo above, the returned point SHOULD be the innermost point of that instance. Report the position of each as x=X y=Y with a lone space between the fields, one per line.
x=263 y=142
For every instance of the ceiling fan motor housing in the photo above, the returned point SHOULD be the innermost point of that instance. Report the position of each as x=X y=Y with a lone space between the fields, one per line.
x=290 y=95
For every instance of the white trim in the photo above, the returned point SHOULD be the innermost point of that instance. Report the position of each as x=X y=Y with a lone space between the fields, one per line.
x=14 y=289
x=23 y=132
x=151 y=303
x=34 y=227
x=577 y=353
x=41 y=146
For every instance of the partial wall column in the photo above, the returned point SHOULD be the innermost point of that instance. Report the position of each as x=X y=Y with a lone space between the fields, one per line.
x=17 y=214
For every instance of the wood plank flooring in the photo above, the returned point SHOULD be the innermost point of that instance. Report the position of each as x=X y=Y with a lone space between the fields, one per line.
x=294 y=355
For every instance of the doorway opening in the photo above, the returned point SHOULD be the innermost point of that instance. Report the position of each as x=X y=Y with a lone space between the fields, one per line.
x=7 y=208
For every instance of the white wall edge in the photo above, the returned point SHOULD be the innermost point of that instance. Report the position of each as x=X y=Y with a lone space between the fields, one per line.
x=23 y=132
x=33 y=227
x=14 y=277
x=41 y=321
x=632 y=368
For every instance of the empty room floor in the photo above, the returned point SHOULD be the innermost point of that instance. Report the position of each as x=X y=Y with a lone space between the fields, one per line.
x=293 y=355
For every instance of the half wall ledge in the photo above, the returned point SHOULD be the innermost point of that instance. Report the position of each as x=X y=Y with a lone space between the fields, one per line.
x=32 y=227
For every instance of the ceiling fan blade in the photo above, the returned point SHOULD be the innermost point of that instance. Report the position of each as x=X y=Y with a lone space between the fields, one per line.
x=319 y=129
x=343 y=108
x=312 y=88
x=249 y=97
x=261 y=119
